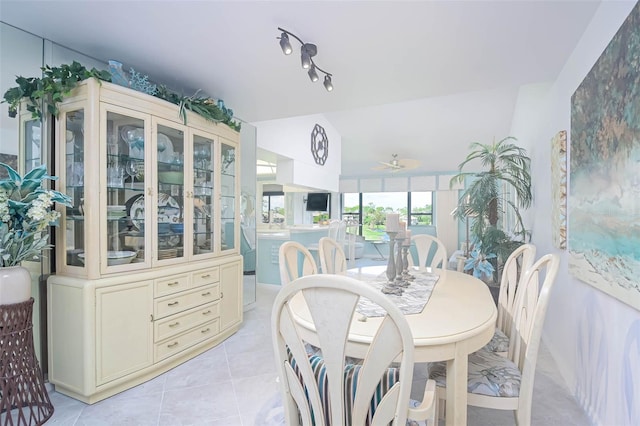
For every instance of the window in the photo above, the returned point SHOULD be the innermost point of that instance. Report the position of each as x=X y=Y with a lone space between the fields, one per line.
x=273 y=207
x=371 y=209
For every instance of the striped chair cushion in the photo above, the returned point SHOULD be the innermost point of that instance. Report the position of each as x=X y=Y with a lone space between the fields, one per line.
x=499 y=342
x=489 y=374
x=351 y=373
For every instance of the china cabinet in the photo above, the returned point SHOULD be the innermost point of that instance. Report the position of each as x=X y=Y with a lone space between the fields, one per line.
x=147 y=272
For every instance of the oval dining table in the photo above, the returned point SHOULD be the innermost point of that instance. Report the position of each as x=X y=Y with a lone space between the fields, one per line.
x=458 y=319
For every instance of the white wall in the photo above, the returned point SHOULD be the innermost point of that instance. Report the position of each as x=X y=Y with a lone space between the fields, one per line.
x=585 y=329
x=291 y=138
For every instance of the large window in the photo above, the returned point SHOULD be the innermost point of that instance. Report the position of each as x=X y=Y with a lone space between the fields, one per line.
x=371 y=208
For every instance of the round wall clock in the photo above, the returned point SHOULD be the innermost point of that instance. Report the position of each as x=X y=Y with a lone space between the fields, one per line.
x=319 y=145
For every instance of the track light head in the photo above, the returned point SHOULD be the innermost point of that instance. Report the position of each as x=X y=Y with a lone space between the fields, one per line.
x=307 y=52
x=327 y=83
x=313 y=75
x=285 y=45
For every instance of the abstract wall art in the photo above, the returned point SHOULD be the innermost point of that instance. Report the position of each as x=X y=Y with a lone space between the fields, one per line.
x=604 y=180
x=559 y=189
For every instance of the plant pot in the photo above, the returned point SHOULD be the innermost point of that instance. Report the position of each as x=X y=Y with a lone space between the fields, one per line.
x=15 y=285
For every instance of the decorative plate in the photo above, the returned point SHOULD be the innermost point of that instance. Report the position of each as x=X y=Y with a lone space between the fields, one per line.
x=136 y=211
x=168 y=209
x=165 y=148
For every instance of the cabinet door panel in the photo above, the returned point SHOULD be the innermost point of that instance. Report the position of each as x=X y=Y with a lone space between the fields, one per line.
x=231 y=295
x=124 y=332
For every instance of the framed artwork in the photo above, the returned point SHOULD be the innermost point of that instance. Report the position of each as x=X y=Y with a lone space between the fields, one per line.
x=559 y=189
x=604 y=180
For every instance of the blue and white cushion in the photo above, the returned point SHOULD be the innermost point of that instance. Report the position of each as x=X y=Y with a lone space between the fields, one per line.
x=499 y=342
x=489 y=374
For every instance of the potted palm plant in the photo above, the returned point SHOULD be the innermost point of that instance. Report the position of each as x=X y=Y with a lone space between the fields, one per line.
x=486 y=199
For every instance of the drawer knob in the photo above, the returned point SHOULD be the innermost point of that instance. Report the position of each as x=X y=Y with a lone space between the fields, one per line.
x=173 y=283
x=205 y=276
x=175 y=324
x=173 y=303
x=171 y=345
x=206 y=294
x=206 y=330
x=206 y=312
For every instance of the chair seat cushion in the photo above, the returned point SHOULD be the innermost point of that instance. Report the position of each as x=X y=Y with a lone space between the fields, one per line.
x=489 y=374
x=499 y=342
x=351 y=372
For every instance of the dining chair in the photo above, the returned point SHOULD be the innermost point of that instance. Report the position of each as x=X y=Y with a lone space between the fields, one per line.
x=295 y=261
x=431 y=252
x=332 y=257
x=506 y=383
x=327 y=389
x=512 y=273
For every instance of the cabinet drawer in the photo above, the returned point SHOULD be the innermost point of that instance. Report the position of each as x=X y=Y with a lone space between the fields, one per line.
x=206 y=276
x=180 y=302
x=176 y=324
x=170 y=285
x=183 y=341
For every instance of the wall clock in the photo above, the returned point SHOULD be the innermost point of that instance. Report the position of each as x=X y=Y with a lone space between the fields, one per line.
x=319 y=145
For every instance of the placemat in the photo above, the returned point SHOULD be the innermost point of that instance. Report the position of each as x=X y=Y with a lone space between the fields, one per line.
x=412 y=300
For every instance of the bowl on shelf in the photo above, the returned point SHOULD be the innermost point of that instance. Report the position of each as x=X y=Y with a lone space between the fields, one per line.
x=171 y=177
x=116 y=257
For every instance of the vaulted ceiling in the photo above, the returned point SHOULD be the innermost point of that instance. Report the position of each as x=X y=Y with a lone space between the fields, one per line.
x=421 y=79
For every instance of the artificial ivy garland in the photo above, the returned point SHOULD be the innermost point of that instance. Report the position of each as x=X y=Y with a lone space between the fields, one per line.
x=57 y=82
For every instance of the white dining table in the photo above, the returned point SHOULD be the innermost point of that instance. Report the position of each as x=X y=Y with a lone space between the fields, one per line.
x=458 y=319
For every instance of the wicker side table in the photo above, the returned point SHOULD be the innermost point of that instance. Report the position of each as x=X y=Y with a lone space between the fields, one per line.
x=23 y=397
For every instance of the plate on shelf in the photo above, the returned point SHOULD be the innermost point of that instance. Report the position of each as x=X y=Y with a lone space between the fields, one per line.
x=168 y=210
x=165 y=148
x=135 y=209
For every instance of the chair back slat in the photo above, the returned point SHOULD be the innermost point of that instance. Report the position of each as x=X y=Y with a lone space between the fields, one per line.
x=332 y=301
x=513 y=271
x=431 y=252
x=332 y=257
x=295 y=261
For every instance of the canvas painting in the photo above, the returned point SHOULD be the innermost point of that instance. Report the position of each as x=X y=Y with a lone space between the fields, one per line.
x=559 y=190
x=604 y=188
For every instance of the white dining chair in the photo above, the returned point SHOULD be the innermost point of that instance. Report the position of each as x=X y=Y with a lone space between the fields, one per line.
x=506 y=383
x=332 y=257
x=295 y=261
x=513 y=271
x=431 y=252
x=327 y=389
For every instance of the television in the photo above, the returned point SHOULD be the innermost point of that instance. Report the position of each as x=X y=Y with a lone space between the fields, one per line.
x=317 y=201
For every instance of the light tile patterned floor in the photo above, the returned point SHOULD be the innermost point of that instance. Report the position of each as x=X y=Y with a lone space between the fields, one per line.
x=234 y=384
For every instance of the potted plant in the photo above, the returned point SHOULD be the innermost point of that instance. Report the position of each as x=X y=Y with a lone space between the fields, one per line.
x=25 y=217
x=485 y=199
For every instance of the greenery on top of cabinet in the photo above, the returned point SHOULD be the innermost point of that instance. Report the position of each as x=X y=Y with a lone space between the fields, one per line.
x=57 y=82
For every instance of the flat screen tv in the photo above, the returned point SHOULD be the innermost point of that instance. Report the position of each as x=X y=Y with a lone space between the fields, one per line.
x=317 y=201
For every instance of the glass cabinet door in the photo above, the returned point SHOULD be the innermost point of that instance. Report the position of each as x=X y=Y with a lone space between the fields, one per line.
x=126 y=219
x=228 y=174
x=31 y=152
x=171 y=192
x=203 y=184
x=73 y=148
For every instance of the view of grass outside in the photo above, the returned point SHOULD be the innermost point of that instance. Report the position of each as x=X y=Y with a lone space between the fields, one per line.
x=273 y=209
x=376 y=206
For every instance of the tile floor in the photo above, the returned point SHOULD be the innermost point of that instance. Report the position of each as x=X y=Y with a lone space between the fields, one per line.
x=234 y=384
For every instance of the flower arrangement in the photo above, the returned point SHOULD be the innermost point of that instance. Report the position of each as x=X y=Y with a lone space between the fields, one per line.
x=479 y=263
x=25 y=215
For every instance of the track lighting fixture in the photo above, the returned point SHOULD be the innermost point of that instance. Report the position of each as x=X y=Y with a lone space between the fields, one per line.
x=307 y=52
